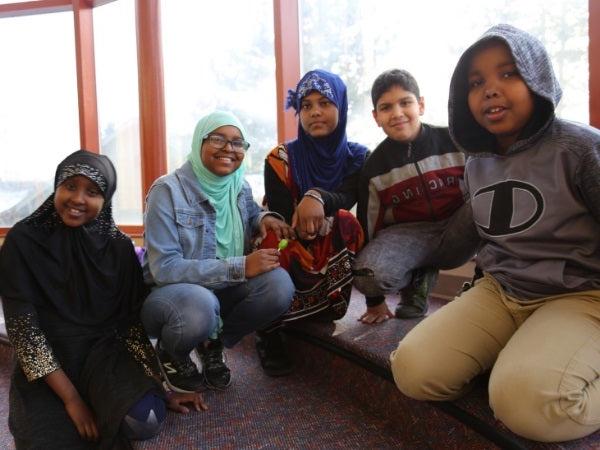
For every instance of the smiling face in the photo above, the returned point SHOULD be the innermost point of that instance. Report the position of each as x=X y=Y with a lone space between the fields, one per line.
x=499 y=99
x=78 y=200
x=318 y=115
x=223 y=161
x=399 y=112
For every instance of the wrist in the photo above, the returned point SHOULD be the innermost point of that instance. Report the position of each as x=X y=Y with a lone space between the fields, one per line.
x=72 y=398
x=313 y=193
x=374 y=301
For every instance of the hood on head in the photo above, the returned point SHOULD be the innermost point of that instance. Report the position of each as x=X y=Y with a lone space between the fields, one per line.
x=535 y=68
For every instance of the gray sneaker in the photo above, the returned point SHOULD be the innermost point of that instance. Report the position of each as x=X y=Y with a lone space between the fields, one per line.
x=415 y=296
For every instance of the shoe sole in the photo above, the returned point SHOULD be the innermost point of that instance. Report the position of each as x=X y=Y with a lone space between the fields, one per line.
x=279 y=373
x=211 y=386
x=410 y=316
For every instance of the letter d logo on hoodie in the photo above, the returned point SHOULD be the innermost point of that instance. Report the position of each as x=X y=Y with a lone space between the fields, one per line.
x=514 y=206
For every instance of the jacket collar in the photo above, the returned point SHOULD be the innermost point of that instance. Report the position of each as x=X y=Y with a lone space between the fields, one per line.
x=189 y=183
x=418 y=141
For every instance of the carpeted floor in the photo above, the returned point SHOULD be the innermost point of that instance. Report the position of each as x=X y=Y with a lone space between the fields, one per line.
x=329 y=402
x=258 y=412
x=374 y=344
x=313 y=408
x=6 y=365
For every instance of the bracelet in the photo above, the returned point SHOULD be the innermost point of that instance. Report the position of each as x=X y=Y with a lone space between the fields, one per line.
x=315 y=196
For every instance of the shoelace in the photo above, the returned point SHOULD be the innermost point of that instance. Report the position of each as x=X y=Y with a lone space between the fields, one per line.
x=214 y=359
x=185 y=368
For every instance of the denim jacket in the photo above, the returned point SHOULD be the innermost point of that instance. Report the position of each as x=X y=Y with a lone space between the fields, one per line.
x=180 y=237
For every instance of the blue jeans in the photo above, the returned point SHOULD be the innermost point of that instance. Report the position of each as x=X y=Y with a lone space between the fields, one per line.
x=184 y=315
x=396 y=251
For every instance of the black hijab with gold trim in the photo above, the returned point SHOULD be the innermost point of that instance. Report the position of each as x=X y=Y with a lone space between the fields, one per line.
x=87 y=275
x=71 y=299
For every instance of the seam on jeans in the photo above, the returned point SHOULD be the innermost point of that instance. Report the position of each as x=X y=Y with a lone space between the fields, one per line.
x=595 y=337
x=169 y=303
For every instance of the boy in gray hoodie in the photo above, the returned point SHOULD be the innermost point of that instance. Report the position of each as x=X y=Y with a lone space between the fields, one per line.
x=534 y=317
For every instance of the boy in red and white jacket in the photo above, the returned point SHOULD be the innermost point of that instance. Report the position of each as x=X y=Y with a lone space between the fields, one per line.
x=409 y=188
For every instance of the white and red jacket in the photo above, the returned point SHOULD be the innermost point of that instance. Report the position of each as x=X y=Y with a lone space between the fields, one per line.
x=414 y=182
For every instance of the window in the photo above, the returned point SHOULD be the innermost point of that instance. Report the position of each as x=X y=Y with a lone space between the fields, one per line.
x=118 y=104
x=359 y=39
x=38 y=113
x=4 y=2
x=220 y=55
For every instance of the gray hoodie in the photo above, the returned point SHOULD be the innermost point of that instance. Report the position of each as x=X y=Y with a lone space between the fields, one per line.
x=537 y=206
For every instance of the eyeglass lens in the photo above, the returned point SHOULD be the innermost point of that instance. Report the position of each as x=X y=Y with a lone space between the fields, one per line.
x=220 y=142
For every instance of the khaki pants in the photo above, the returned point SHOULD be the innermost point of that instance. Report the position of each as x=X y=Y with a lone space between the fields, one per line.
x=544 y=355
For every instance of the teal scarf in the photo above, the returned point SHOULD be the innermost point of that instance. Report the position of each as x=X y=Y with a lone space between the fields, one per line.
x=222 y=191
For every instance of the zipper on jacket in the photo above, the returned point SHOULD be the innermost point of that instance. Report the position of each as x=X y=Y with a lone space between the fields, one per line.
x=423 y=185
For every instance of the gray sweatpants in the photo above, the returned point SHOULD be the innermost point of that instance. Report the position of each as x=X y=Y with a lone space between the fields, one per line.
x=399 y=249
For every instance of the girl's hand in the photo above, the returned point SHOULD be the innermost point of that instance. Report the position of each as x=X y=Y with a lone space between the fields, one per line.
x=279 y=227
x=261 y=261
x=176 y=401
x=83 y=418
x=77 y=410
x=376 y=314
x=308 y=217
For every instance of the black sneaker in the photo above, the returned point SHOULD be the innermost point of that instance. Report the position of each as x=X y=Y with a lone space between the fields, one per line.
x=273 y=353
x=416 y=295
x=179 y=375
x=214 y=371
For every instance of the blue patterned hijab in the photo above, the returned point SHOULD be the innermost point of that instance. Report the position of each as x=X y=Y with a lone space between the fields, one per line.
x=323 y=162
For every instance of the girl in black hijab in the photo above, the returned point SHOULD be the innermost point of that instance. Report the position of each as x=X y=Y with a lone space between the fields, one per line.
x=71 y=289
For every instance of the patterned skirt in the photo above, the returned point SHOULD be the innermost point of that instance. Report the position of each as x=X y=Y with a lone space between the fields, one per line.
x=321 y=269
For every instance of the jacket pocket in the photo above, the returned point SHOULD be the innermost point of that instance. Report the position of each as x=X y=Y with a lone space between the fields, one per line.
x=190 y=227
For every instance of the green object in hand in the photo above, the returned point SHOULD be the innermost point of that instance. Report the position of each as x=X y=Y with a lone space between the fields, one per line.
x=282 y=244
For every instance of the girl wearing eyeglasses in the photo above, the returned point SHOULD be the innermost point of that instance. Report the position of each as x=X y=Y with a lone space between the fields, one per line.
x=312 y=182
x=209 y=290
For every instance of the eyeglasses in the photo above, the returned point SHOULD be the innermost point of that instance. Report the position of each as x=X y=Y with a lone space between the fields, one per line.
x=219 y=142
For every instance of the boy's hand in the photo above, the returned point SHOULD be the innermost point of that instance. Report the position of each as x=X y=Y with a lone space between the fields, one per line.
x=376 y=314
x=261 y=261
x=279 y=227
x=83 y=418
x=176 y=401
x=308 y=217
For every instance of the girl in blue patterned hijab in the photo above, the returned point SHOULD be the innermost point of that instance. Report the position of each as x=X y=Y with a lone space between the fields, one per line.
x=318 y=160
x=312 y=182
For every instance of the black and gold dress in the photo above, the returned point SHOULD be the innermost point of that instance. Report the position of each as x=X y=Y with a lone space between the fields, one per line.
x=71 y=299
